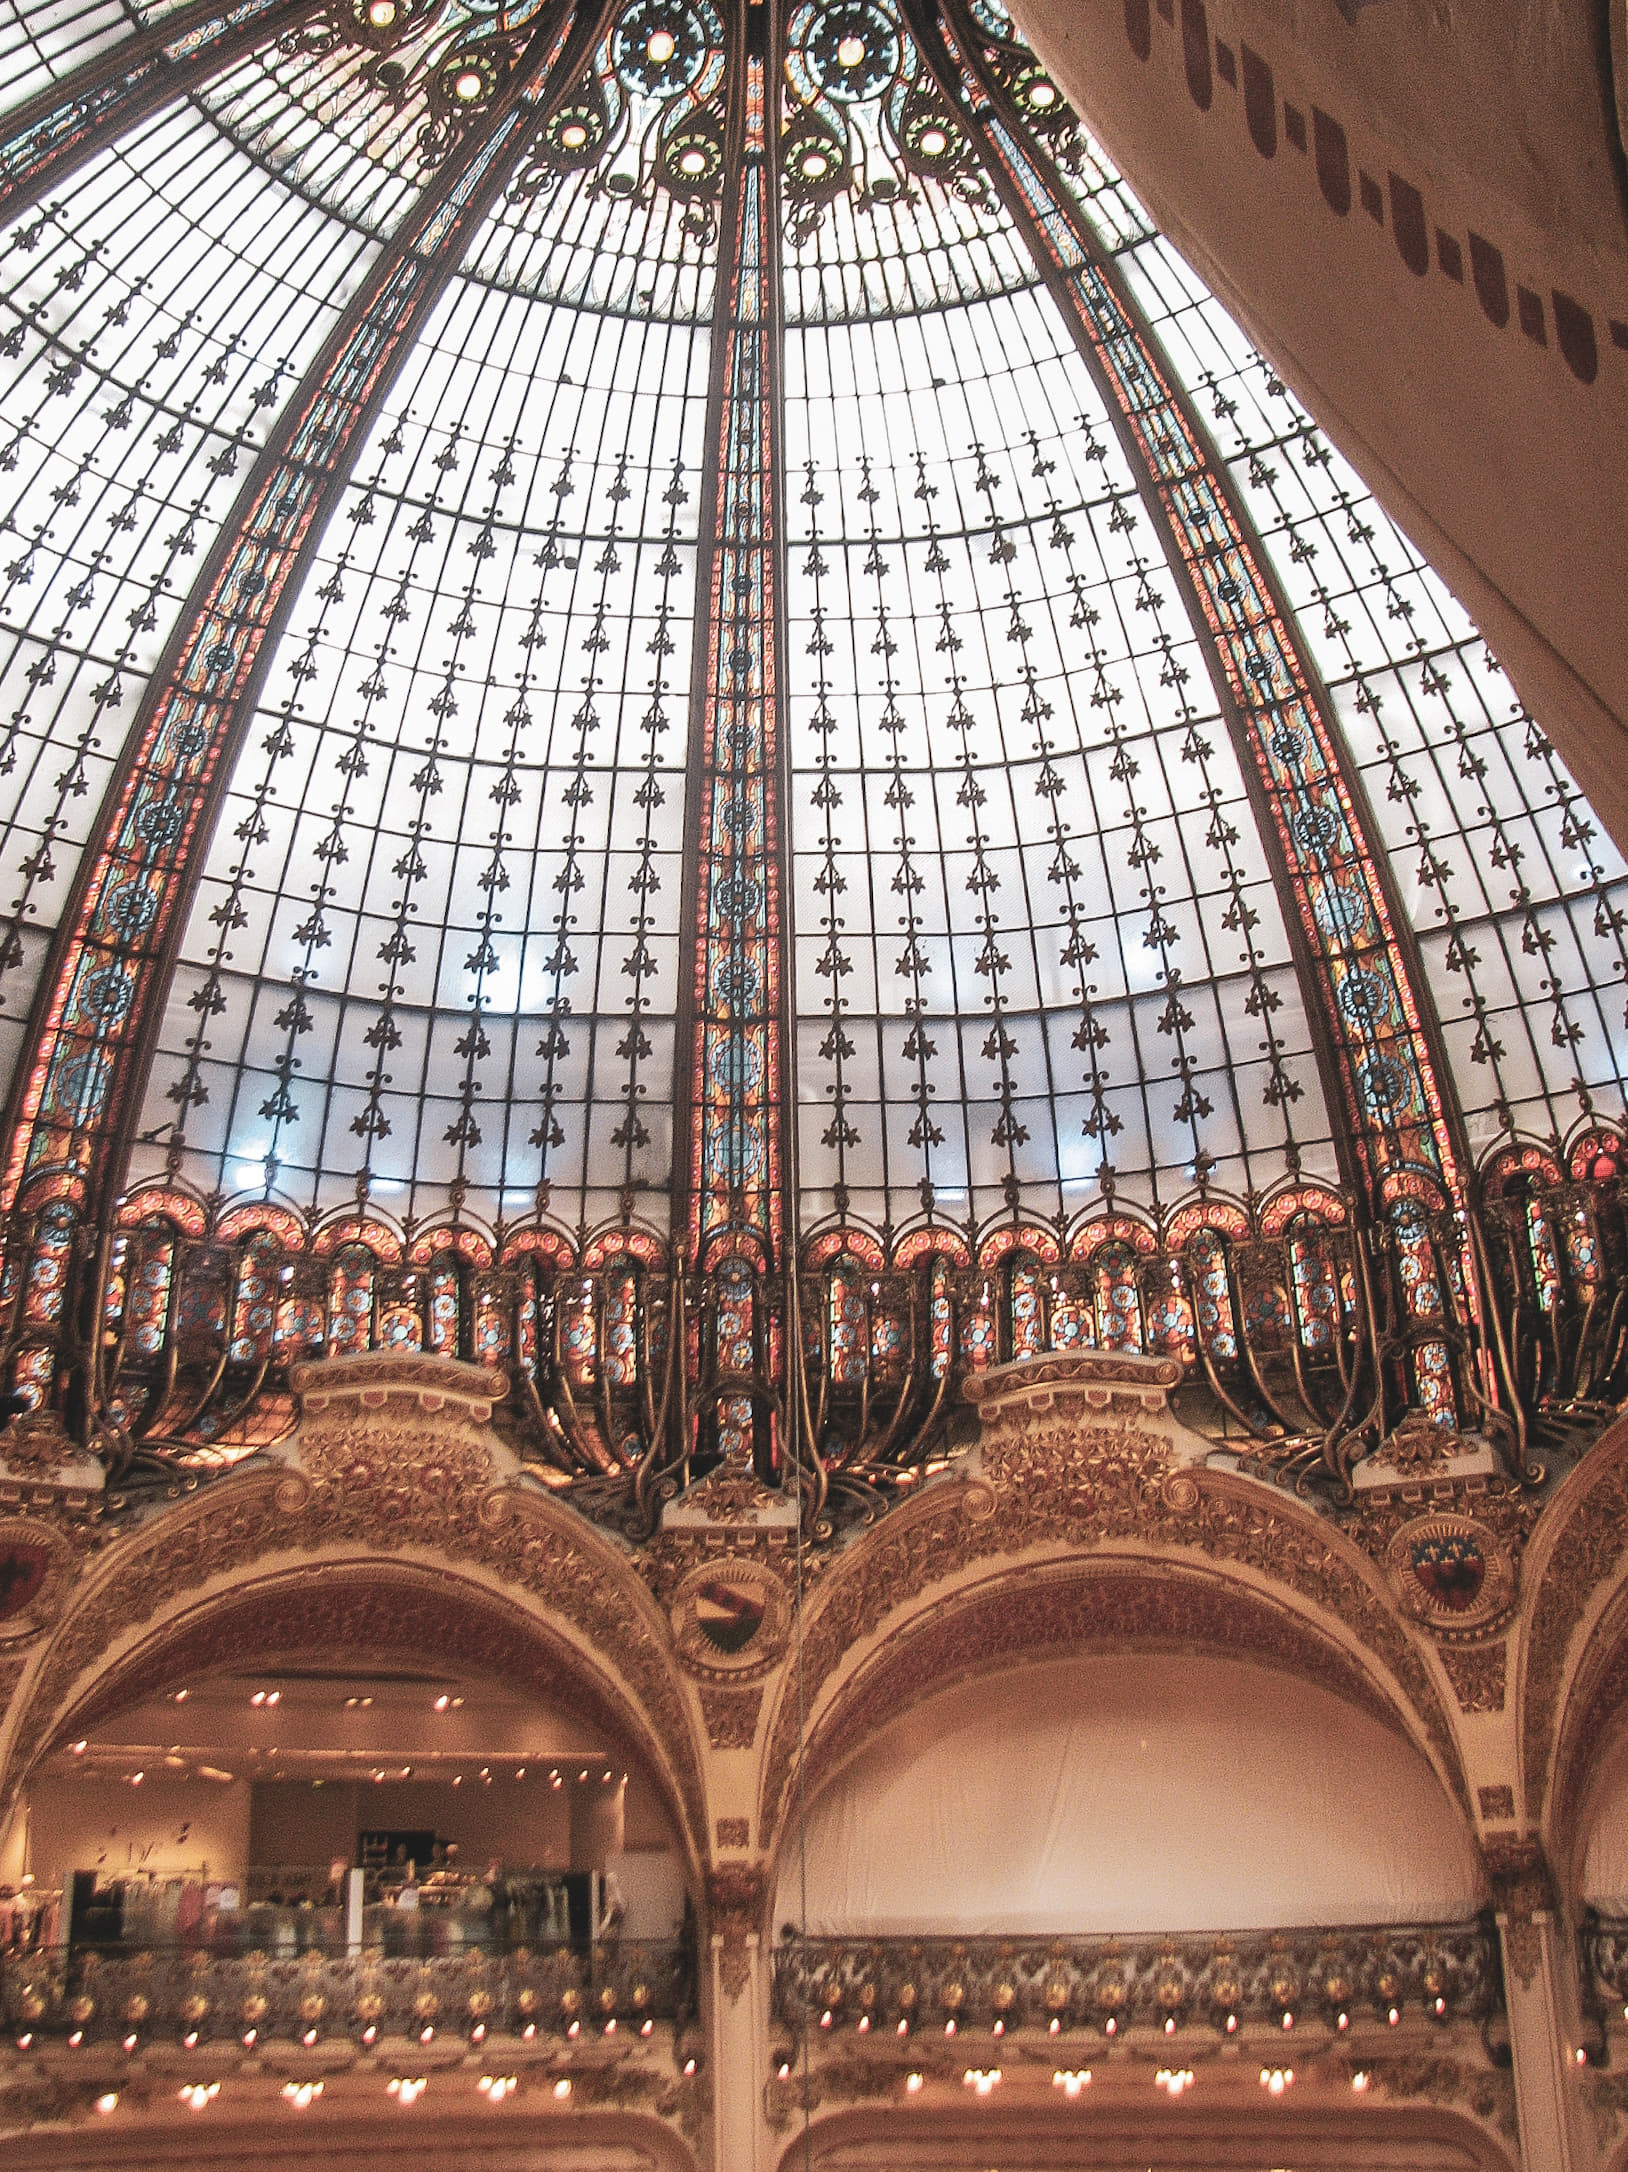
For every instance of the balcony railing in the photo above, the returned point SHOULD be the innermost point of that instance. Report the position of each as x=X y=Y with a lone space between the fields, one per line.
x=1448 y=1972
x=193 y=1996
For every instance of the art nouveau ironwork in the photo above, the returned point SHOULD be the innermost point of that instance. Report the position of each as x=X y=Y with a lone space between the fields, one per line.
x=1065 y=913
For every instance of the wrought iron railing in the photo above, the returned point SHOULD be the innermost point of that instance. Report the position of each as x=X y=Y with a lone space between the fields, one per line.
x=1304 y=1335
x=1447 y=1972
x=189 y=1996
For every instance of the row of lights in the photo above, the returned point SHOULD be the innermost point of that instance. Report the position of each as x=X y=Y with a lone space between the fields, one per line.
x=1342 y=2021
x=1074 y=2081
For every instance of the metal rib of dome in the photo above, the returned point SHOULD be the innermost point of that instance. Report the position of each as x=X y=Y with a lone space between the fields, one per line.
x=675 y=636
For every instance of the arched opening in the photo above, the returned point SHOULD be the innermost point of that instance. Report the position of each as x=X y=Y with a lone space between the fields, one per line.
x=414 y=1807
x=1134 y=1792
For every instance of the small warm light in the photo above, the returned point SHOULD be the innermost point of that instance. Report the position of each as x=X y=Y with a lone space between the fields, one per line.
x=574 y=2031
x=573 y=135
x=562 y=2088
x=406 y=2092
x=426 y=2035
x=198 y=2094
x=1393 y=2017
x=783 y=2072
x=1056 y=2026
x=79 y=1748
x=130 y=2041
x=1288 y=2021
x=1360 y=2080
x=180 y=1696
x=904 y=2027
x=689 y=2068
x=249 y=2038
x=309 y=2038
x=850 y=51
x=302 y=2095
x=693 y=162
x=1581 y=2056
x=77 y=2038
x=934 y=142
x=136 y=1778
x=1071 y=2080
x=1343 y=2023
x=190 y=2040
x=1170 y=2024
x=495 y=2087
x=442 y=1702
x=610 y=2026
x=1275 y=2079
x=1042 y=94
x=1173 y=2080
x=999 y=2029
x=477 y=2034
x=382 y=14
x=1232 y=2024
x=912 y=2083
x=1441 y=2006
x=259 y=1697
x=660 y=47
x=982 y=2080
x=949 y=2026
x=369 y=2034
x=25 y=2041
x=108 y=2103
x=646 y=2028
x=1111 y=2026
x=466 y=87
x=528 y=2032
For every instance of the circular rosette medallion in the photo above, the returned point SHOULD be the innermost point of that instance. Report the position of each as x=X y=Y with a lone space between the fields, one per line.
x=730 y=1617
x=33 y=1574
x=1451 y=1572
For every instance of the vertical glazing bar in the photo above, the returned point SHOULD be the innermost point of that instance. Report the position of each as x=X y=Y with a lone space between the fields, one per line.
x=1378 y=1025
x=737 y=1148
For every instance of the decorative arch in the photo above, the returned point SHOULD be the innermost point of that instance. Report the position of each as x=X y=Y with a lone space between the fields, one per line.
x=1575 y=1571
x=1082 y=1503
x=396 y=1480
x=1021 y=1614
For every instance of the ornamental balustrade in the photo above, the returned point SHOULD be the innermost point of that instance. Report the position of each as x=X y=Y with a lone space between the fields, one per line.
x=196 y=1997
x=1304 y=1337
x=1449 y=1972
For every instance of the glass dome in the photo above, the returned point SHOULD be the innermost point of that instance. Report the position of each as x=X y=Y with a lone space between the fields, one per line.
x=682 y=714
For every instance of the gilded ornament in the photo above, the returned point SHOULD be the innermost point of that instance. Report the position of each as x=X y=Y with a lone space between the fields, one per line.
x=1451 y=1572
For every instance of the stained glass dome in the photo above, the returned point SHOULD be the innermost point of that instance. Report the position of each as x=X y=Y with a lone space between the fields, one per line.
x=682 y=714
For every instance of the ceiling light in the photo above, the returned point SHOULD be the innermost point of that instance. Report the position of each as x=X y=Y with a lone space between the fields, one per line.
x=78 y=1748
x=442 y=1702
x=180 y=1696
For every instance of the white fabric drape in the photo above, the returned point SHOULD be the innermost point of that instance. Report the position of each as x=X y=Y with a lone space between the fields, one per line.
x=1605 y=1858
x=1130 y=1793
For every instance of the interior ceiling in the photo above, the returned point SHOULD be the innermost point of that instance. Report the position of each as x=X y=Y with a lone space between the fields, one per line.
x=343 y=1723
x=435 y=959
